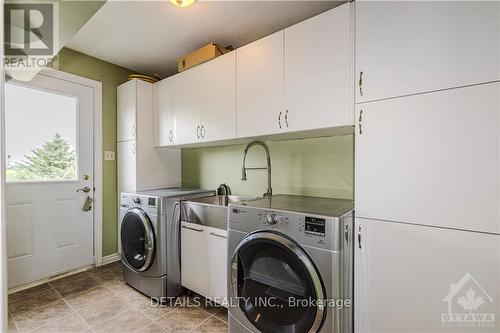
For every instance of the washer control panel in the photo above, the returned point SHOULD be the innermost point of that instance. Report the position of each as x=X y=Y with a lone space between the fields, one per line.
x=272 y=219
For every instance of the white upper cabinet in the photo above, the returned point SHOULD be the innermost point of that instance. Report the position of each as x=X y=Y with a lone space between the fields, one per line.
x=140 y=165
x=408 y=278
x=404 y=48
x=318 y=71
x=127 y=105
x=298 y=79
x=186 y=106
x=163 y=114
x=259 y=72
x=431 y=158
x=218 y=98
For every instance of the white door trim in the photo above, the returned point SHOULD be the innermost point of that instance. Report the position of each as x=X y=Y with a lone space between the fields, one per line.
x=3 y=224
x=97 y=207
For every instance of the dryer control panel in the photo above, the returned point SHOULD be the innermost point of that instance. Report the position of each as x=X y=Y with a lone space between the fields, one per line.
x=315 y=226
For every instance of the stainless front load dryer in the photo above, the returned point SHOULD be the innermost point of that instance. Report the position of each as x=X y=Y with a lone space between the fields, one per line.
x=149 y=239
x=290 y=264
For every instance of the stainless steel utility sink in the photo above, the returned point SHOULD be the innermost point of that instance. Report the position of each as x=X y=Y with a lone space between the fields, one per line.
x=209 y=211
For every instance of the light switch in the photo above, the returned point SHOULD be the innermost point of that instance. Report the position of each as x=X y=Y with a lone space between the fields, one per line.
x=109 y=155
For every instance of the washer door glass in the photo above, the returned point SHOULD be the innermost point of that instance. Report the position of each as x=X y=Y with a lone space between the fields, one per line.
x=137 y=239
x=279 y=288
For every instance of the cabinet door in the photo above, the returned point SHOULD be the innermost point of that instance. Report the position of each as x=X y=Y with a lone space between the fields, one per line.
x=126 y=110
x=127 y=167
x=431 y=158
x=259 y=73
x=194 y=264
x=186 y=106
x=218 y=98
x=408 y=47
x=217 y=262
x=317 y=71
x=163 y=113
x=410 y=278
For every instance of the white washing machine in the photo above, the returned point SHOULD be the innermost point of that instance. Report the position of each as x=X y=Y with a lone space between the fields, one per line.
x=149 y=239
x=291 y=265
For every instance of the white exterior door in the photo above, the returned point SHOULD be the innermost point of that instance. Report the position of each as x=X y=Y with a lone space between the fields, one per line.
x=49 y=145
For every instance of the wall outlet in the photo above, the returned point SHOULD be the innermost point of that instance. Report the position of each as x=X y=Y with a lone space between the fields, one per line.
x=109 y=155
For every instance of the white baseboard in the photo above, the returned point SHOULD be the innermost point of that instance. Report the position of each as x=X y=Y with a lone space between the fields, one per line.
x=111 y=258
x=19 y=287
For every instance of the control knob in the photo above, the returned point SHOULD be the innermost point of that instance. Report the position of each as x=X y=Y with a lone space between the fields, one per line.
x=273 y=219
x=137 y=200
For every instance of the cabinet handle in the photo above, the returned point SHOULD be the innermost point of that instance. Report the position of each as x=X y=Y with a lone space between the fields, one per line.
x=359 y=236
x=279 y=119
x=198 y=132
x=202 y=131
x=194 y=229
x=286 y=118
x=133 y=148
x=360 y=83
x=217 y=235
x=346 y=233
x=170 y=136
x=360 y=122
x=133 y=130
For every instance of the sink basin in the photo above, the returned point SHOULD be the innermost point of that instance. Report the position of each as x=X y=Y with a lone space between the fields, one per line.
x=220 y=200
x=209 y=211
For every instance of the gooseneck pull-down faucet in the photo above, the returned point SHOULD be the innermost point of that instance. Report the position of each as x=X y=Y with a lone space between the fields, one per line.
x=244 y=169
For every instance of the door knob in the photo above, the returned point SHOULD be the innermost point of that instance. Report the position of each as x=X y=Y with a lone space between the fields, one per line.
x=86 y=189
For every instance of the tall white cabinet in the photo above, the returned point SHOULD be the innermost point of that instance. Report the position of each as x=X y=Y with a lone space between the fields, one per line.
x=408 y=47
x=140 y=165
x=410 y=278
x=431 y=159
x=427 y=151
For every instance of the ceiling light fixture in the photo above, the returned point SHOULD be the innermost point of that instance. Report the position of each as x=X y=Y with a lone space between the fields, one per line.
x=183 y=3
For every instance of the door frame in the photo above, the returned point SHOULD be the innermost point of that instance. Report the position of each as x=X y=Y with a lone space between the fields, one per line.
x=96 y=86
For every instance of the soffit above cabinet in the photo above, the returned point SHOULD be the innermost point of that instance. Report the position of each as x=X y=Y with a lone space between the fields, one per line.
x=149 y=36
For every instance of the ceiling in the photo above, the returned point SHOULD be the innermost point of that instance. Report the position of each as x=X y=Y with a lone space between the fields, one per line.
x=149 y=36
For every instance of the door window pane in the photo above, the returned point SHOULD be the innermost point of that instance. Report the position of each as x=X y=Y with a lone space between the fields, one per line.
x=40 y=135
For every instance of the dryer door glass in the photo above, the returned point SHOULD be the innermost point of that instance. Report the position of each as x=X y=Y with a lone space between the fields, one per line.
x=137 y=239
x=279 y=287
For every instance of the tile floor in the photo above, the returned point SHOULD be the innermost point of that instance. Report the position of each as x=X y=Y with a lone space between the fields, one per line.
x=99 y=301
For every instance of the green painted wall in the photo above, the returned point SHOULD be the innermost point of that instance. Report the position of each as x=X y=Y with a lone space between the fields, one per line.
x=111 y=76
x=317 y=167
